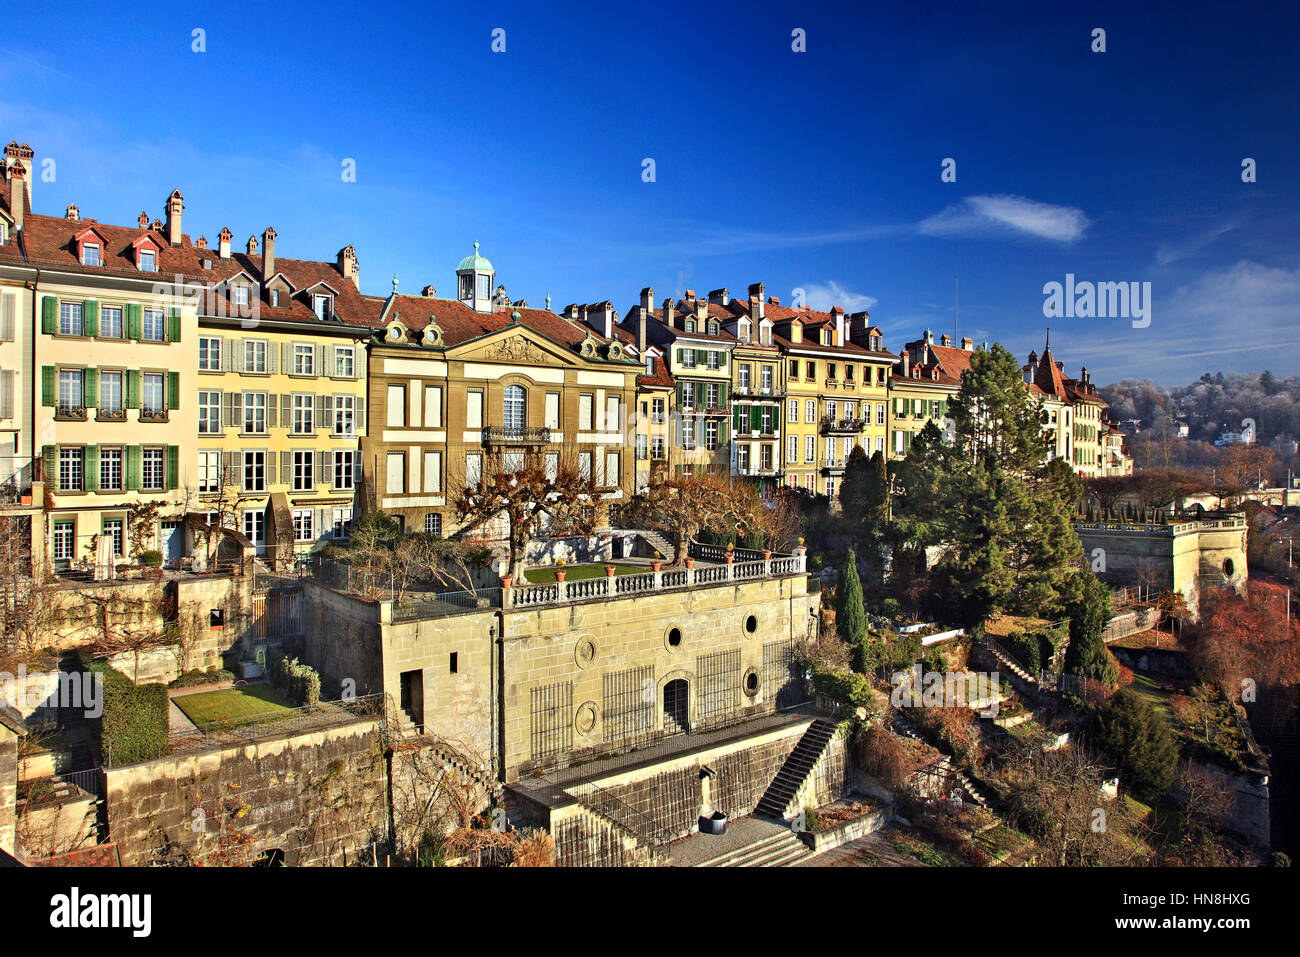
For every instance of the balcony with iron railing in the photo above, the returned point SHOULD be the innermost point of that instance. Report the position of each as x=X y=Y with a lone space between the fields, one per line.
x=759 y=392
x=832 y=424
x=514 y=435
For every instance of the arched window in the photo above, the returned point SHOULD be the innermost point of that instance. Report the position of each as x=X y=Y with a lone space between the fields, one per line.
x=515 y=406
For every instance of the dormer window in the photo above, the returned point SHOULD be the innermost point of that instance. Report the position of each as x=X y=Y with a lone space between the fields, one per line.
x=649 y=365
x=690 y=325
x=148 y=261
x=765 y=334
x=90 y=254
x=275 y=297
x=713 y=328
x=323 y=306
x=742 y=332
x=239 y=294
x=4 y=233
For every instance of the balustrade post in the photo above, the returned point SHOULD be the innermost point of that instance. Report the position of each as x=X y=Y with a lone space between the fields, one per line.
x=801 y=556
x=658 y=579
x=562 y=592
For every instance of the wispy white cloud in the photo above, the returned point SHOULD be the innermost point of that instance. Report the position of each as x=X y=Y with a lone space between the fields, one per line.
x=822 y=297
x=1167 y=253
x=991 y=215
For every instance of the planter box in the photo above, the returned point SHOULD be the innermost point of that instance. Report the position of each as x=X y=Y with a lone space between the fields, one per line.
x=847 y=831
x=943 y=636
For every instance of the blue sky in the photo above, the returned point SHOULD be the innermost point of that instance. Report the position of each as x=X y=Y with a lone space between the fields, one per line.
x=817 y=171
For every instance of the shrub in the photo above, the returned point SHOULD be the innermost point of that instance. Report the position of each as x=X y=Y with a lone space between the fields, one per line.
x=133 y=726
x=881 y=754
x=1025 y=647
x=299 y=682
x=1139 y=743
x=197 y=676
x=890 y=608
x=846 y=687
x=151 y=557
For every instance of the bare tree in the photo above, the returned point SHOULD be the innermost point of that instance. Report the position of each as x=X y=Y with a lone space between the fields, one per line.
x=689 y=503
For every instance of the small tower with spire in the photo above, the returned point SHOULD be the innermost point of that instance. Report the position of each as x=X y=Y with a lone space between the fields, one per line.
x=474 y=282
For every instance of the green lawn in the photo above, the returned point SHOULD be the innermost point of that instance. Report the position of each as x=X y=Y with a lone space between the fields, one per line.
x=1154 y=695
x=539 y=576
x=232 y=707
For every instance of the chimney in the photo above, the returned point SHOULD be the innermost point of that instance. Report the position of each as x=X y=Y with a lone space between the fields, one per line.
x=72 y=212
x=268 y=253
x=223 y=242
x=756 y=300
x=201 y=242
x=968 y=344
x=945 y=340
x=690 y=295
x=648 y=299
x=349 y=266
x=157 y=225
x=428 y=292
x=252 y=246
x=600 y=317
x=174 y=207
x=641 y=320
x=143 y=220
x=796 y=331
x=719 y=296
x=907 y=363
x=19 y=160
x=570 y=312
x=668 y=312
x=773 y=301
x=838 y=313
x=701 y=308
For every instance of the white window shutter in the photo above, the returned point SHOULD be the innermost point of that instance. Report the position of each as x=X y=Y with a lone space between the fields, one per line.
x=360 y=417
x=286 y=357
x=319 y=368
x=6 y=394
x=8 y=307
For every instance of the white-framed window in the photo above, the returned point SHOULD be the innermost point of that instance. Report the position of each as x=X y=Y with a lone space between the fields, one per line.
x=711 y=395
x=742 y=458
x=792 y=448
x=254 y=413
x=304 y=359
x=433 y=407
x=830 y=486
x=688 y=435
x=474 y=409
x=433 y=524
x=792 y=411
x=209 y=471
x=304 y=525
x=110 y=322
x=898 y=443
x=744 y=377
x=255 y=526
x=431 y=472
x=714 y=358
x=239 y=294
x=209 y=412
x=809 y=448
x=70 y=314
x=473 y=468
x=153 y=476
x=303 y=416
x=831 y=408
x=584 y=465
x=649 y=365
x=209 y=354
x=657 y=447
x=90 y=254
x=711 y=435
x=880 y=443
x=395 y=414
x=148 y=260
x=153 y=389
x=341 y=526
x=302 y=478
x=345 y=408
x=586 y=411
x=254 y=471
x=255 y=355
x=514 y=408
x=345 y=362
x=396 y=473
x=657 y=413
x=153 y=326
x=72 y=398
x=110 y=469
x=880 y=413
x=688 y=355
x=766 y=457
x=810 y=411
x=323 y=306
x=613 y=474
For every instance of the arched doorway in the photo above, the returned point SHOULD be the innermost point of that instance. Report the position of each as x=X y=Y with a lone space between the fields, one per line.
x=676 y=707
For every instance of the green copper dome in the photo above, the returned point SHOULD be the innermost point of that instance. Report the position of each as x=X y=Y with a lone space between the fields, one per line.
x=475 y=262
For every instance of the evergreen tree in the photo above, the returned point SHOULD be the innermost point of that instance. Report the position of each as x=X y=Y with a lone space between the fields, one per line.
x=850 y=614
x=864 y=503
x=1001 y=511
x=1139 y=743
x=1087 y=602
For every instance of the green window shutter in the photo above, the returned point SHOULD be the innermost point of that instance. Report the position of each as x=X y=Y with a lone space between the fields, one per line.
x=701 y=395
x=90 y=318
x=173 y=461
x=49 y=316
x=722 y=395
x=701 y=357
x=92 y=468
x=47 y=384
x=681 y=356
x=133 y=468
x=776 y=417
x=133 y=316
x=735 y=418
x=677 y=433
x=722 y=434
x=755 y=418
x=173 y=390
x=90 y=388
x=173 y=325
x=133 y=389
x=49 y=464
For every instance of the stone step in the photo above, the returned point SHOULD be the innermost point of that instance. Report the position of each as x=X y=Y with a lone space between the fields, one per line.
x=774 y=851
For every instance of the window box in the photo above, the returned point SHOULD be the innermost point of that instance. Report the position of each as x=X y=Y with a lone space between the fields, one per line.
x=71 y=412
x=153 y=415
x=110 y=415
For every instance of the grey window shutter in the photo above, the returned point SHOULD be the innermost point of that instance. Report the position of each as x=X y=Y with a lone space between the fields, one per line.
x=236 y=355
x=286 y=468
x=227 y=354
x=272 y=359
x=228 y=410
x=8 y=306
x=360 y=423
x=7 y=394
x=319 y=367
x=286 y=357
x=322 y=464
x=286 y=411
x=356 y=468
x=328 y=422
x=231 y=476
x=319 y=530
x=272 y=410
x=320 y=412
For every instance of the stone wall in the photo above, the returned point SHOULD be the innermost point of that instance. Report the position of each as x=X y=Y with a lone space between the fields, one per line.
x=564 y=666
x=1248 y=814
x=342 y=637
x=8 y=787
x=319 y=797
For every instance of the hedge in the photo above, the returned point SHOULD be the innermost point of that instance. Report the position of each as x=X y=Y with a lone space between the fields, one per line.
x=847 y=687
x=133 y=726
x=197 y=676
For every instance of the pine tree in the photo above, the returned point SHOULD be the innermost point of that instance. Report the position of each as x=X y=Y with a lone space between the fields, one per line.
x=1087 y=603
x=1139 y=743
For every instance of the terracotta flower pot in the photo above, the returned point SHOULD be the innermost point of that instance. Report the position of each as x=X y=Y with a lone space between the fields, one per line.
x=730 y=558
x=506 y=580
x=767 y=553
x=609 y=570
x=655 y=566
x=559 y=574
x=690 y=563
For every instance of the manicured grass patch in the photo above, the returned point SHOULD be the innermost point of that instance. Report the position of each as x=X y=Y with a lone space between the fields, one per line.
x=1156 y=696
x=540 y=576
x=233 y=707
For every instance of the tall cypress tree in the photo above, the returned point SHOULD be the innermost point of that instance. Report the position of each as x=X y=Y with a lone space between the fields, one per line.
x=850 y=615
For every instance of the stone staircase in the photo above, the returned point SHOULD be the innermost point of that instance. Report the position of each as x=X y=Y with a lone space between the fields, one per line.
x=904 y=728
x=776 y=801
x=660 y=544
x=1006 y=661
x=782 y=849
